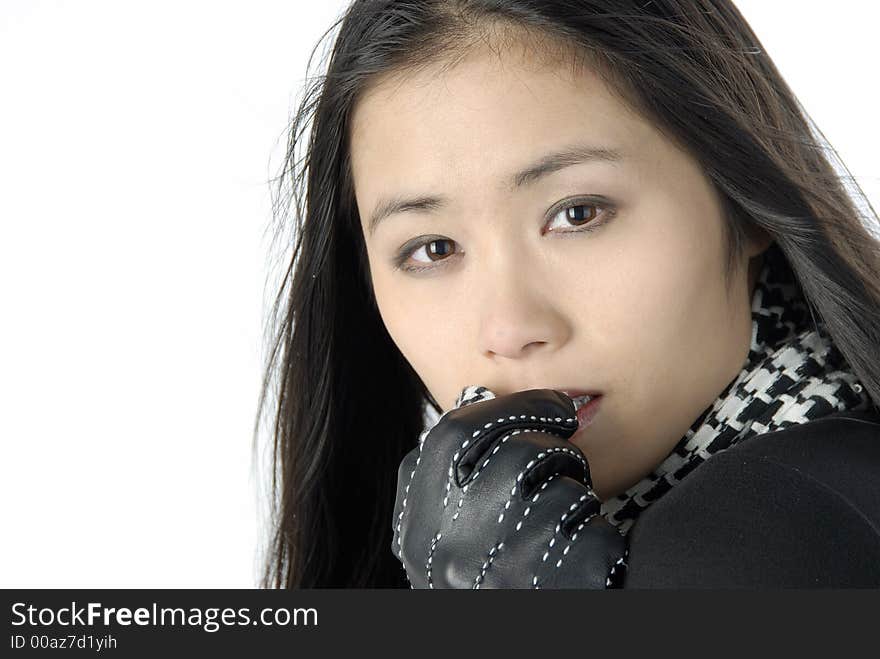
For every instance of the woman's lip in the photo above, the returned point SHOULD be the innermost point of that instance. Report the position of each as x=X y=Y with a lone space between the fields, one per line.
x=587 y=413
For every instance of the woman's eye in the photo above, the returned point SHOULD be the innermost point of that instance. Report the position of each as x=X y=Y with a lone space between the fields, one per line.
x=424 y=250
x=579 y=215
x=435 y=249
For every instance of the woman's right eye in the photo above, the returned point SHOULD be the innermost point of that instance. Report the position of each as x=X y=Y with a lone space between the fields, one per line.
x=434 y=249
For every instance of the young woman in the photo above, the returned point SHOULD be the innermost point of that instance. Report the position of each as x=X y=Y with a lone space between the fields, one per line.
x=505 y=205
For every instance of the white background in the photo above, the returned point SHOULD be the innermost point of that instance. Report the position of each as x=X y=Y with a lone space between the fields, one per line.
x=136 y=143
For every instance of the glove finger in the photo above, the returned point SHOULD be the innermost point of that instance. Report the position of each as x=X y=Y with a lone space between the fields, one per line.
x=421 y=498
x=531 y=534
x=405 y=473
x=496 y=503
x=594 y=557
x=422 y=505
x=513 y=471
x=527 y=457
x=480 y=426
x=582 y=547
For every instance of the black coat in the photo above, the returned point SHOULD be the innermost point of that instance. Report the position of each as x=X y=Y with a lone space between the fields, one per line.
x=794 y=508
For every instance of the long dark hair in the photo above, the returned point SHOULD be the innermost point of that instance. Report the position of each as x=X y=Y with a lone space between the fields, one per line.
x=348 y=406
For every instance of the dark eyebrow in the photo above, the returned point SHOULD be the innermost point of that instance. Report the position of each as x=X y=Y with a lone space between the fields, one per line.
x=547 y=164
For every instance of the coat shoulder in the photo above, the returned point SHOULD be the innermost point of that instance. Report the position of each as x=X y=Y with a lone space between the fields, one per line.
x=798 y=507
x=840 y=451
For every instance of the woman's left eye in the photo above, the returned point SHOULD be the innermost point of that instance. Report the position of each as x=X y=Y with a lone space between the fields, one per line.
x=581 y=215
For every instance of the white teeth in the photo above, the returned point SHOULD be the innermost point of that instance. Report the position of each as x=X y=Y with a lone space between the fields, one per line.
x=580 y=401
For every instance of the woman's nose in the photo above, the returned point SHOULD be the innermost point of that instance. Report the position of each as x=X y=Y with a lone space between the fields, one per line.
x=516 y=321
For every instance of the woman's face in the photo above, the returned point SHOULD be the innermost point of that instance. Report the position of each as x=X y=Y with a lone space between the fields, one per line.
x=599 y=273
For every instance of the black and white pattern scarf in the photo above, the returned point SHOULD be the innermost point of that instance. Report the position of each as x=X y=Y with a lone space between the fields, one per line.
x=793 y=374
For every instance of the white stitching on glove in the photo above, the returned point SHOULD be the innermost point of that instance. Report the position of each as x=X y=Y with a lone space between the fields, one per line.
x=495 y=496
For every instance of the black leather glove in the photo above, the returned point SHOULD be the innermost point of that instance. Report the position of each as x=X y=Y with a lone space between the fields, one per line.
x=495 y=496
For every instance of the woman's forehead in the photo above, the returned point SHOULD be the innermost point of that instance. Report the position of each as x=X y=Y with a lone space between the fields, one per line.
x=482 y=81
x=484 y=114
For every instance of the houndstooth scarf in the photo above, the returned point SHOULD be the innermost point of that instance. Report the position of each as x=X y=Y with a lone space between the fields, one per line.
x=793 y=374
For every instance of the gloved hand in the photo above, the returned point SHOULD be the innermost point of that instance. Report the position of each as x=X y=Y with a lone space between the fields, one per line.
x=495 y=496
